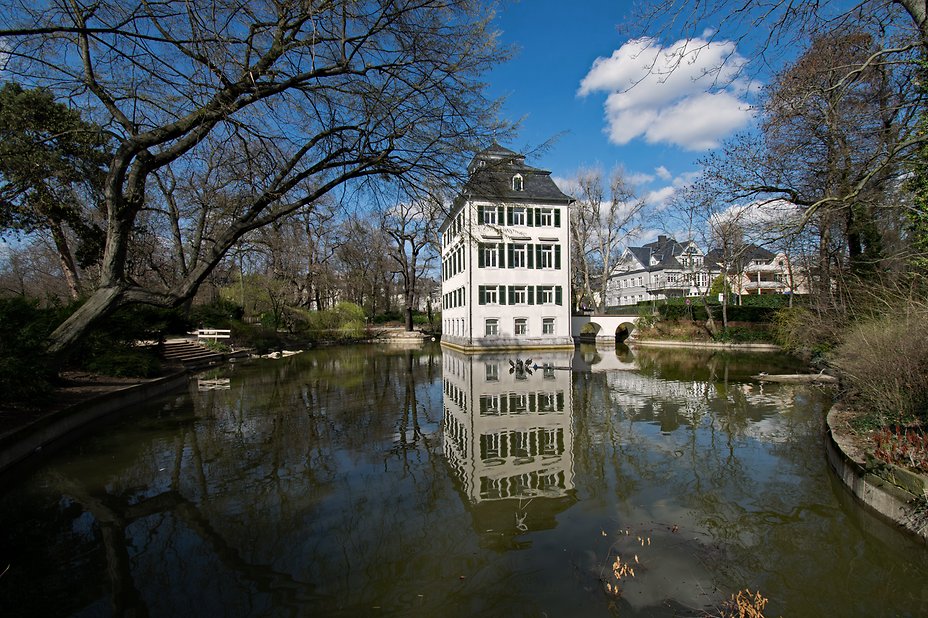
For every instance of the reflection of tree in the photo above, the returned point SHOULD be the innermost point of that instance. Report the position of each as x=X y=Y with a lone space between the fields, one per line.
x=238 y=480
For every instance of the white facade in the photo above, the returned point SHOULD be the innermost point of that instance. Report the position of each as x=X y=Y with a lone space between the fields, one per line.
x=771 y=276
x=506 y=258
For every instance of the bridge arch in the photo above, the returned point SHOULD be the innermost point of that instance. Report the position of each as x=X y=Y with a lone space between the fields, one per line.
x=603 y=328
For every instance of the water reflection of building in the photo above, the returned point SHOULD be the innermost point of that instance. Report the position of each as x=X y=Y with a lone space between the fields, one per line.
x=508 y=434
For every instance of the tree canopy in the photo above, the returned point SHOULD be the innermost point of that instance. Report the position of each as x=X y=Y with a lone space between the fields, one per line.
x=290 y=99
x=52 y=166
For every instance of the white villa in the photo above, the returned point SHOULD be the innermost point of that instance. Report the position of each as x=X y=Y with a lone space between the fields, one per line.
x=661 y=269
x=758 y=271
x=506 y=258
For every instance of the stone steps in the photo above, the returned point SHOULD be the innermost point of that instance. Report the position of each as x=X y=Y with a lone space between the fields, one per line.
x=189 y=353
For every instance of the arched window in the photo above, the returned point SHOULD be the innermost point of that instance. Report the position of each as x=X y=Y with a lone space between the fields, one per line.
x=517 y=183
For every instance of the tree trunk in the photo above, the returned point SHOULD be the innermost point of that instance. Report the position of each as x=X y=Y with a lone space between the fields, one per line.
x=918 y=11
x=101 y=303
x=66 y=260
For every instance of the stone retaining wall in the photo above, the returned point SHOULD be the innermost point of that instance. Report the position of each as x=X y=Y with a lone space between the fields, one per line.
x=59 y=428
x=890 y=491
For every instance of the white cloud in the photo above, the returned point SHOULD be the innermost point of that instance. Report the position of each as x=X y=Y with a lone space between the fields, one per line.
x=762 y=215
x=636 y=179
x=689 y=94
x=660 y=198
x=663 y=173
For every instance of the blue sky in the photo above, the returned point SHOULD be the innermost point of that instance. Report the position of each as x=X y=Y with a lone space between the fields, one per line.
x=570 y=81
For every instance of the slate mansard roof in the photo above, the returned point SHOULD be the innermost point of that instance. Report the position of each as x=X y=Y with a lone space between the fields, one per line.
x=664 y=251
x=745 y=256
x=491 y=177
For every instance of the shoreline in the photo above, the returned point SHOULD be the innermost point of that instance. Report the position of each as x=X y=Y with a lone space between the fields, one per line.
x=711 y=345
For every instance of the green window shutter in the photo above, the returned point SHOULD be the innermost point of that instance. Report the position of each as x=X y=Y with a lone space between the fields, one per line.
x=500 y=213
x=502 y=295
x=557 y=256
x=531 y=295
x=538 y=255
x=512 y=295
x=529 y=255
x=480 y=258
x=501 y=263
x=557 y=217
x=509 y=216
x=511 y=262
x=558 y=296
x=480 y=210
x=482 y=293
x=530 y=216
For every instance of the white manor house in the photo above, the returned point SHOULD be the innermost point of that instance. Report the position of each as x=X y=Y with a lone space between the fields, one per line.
x=505 y=258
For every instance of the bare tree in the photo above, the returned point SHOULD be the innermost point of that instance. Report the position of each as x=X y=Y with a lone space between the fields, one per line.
x=296 y=98
x=365 y=266
x=413 y=228
x=600 y=227
x=833 y=147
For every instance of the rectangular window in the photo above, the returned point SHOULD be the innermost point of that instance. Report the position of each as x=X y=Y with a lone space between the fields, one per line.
x=518 y=216
x=488 y=215
x=546 y=295
x=492 y=372
x=545 y=217
x=491 y=327
x=488 y=255
x=546 y=256
x=518 y=294
x=547 y=326
x=521 y=326
x=517 y=257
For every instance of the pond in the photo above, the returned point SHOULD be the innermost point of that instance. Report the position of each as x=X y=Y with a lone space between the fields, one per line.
x=424 y=482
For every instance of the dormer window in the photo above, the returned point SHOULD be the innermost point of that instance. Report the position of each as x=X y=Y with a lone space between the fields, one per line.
x=517 y=183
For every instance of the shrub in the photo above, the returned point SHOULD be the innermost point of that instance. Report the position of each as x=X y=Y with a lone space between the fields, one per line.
x=744 y=334
x=349 y=312
x=26 y=373
x=884 y=361
x=801 y=330
x=218 y=314
x=257 y=337
x=125 y=362
x=903 y=447
x=391 y=316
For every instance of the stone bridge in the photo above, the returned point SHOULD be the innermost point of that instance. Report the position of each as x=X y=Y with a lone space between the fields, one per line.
x=602 y=328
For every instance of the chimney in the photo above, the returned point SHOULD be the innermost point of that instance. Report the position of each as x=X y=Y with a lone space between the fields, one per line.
x=661 y=239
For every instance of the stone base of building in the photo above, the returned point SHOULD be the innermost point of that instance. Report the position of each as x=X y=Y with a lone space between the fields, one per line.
x=484 y=344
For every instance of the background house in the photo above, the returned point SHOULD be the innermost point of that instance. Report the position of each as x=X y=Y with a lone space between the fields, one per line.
x=753 y=270
x=657 y=270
